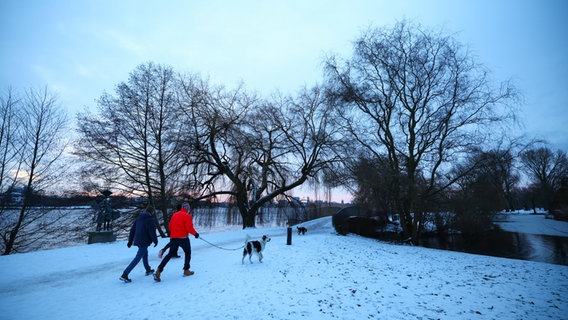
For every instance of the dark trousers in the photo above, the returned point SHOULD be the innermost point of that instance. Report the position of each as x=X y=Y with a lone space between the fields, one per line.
x=166 y=247
x=142 y=254
x=176 y=243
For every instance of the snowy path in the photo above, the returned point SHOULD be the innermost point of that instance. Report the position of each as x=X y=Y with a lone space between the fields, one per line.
x=320 y=276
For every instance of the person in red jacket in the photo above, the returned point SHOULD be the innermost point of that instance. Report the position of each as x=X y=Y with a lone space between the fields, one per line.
x=181 y=226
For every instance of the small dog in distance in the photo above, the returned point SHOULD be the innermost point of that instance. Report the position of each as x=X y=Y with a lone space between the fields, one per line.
x=254 y=247
x=302 y=230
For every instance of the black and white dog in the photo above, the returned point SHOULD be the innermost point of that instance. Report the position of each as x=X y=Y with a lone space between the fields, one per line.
x=254 y=247
x=302 y=230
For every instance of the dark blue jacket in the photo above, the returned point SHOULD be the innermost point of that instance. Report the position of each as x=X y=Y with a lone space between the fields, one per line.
x=143 y=231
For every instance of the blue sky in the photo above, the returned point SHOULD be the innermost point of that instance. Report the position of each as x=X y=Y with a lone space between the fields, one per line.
x=81 y=48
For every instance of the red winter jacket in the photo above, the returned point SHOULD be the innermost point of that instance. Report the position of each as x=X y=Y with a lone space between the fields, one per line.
x=181 y=224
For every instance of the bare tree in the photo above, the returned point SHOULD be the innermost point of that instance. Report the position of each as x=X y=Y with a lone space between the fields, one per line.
x=476 y=197
x=41 y=124
x=546 y=170
x=133 y=141
x=418 y=99
x=488 y=183
x=255 y=150
x=375 y=185
x=501 y=167
x=9 y=147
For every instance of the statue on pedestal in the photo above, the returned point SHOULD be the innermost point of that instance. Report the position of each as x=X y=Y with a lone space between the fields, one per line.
x=104 y=215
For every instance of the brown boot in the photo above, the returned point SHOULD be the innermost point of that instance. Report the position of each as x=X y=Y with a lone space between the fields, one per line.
x=157 y=275
x=187 y=273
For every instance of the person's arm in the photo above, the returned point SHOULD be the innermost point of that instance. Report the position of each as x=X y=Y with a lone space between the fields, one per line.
x=189 y=226
x=131 y=235
x=152 y=232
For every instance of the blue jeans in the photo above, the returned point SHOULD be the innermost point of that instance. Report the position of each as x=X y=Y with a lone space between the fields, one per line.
x=141 y=254
x=176 y=243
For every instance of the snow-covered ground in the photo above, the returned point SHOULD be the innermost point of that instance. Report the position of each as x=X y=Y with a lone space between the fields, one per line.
x=320 y=276
x=533 y=224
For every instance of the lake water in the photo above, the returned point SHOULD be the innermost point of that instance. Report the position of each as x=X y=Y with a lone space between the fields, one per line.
x=513 y=245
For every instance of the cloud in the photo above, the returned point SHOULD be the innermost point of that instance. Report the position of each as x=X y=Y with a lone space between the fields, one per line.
x=126 y=43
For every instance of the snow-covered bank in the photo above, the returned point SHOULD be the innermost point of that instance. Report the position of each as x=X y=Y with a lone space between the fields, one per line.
x=320 y=276
x=533 y=224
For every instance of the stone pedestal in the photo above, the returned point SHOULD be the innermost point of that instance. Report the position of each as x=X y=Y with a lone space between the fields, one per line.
x=101 y=236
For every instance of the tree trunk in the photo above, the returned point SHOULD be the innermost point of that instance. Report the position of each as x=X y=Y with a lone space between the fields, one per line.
x=249 y=219
x=166 y=223
x=12 y=239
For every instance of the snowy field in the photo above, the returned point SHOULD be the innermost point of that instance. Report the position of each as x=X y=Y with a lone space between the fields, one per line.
x=320 y=276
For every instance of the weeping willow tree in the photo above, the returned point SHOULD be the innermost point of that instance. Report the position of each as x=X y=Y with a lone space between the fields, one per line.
x=256 y=150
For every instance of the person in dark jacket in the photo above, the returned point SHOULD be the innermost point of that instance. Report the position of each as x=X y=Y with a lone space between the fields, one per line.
x=142 y=234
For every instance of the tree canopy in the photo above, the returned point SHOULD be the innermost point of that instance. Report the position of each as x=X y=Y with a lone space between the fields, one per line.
x=416 y=100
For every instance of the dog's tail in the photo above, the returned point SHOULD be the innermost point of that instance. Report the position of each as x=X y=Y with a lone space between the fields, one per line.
x=247 y=238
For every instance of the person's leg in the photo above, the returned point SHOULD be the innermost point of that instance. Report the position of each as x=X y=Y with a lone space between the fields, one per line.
x=175 y=254
x=161 y=252
x=145 y=259
x=174 y=244
x=186 y=246
x=135 y=261
x=168 y=246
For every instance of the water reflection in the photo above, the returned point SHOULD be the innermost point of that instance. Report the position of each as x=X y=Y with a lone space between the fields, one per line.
x=499 y=243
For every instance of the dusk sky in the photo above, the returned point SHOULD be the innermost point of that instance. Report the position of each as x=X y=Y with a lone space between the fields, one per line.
x=81 y=48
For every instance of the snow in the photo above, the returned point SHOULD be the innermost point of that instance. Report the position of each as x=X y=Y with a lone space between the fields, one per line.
x=322 y=275
x=533 y=224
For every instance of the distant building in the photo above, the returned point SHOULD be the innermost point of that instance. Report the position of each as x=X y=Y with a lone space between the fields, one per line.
x=13 y=197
